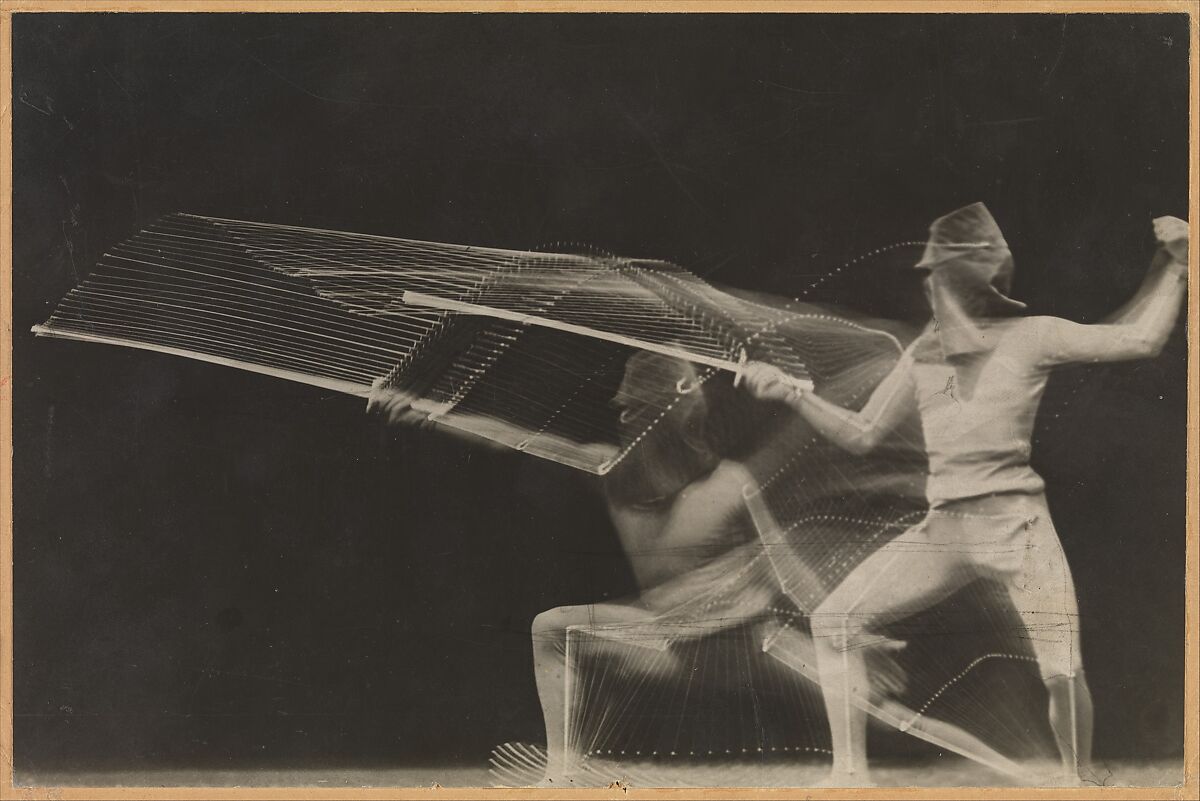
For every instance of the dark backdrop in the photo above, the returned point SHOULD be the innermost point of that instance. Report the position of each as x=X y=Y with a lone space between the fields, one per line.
x=214 y=568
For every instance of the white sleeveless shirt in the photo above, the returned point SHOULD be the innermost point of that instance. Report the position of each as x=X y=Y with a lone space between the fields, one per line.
x=979 y=438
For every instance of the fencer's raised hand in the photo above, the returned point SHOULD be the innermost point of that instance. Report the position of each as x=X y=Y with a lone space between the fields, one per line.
x=1172 y=232
x=395 y=405
x=768 y=382
x=377 y=394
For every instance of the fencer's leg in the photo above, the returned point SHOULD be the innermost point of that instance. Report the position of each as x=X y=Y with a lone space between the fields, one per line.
x=1070 y=712
x=549 y=633
x=842 y=673
x=895 y=581
x=837 y=628
x=795 y=650
x=1071 y=720
x=1044 y=597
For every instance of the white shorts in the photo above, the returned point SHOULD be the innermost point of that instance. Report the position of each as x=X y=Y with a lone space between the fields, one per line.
x=1009 y=538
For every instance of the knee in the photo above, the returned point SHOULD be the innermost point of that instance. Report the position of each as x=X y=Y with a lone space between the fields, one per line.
x=834 y=628
x=1058 y=679
x=1059 y=666
x=549 y=629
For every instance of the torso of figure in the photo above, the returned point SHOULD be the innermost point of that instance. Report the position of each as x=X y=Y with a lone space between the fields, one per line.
x=676 y=535
x=978 y=416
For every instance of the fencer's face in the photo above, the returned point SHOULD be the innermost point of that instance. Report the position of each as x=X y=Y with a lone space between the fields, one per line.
x=944 y=303
x=630 y=400
x=954 y=286
x=941 y=290
x=647 y=389
x=1004 y=276
x=955 y=327
x=650 y=386
x=662 y=414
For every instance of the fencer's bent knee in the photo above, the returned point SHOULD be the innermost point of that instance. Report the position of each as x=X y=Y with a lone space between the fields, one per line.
x=835 y=629
x=1076 y=677
x=549 y=628
x=1056 y=664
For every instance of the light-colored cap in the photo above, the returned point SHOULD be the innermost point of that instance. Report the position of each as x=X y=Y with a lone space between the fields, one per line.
x=968 y=256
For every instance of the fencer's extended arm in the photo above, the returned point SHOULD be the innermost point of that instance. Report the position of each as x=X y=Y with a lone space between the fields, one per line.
x=400 y=408
x=857 y=432
x=1137 y=331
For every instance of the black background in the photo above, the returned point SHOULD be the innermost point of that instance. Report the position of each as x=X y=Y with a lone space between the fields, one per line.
x=219 y=569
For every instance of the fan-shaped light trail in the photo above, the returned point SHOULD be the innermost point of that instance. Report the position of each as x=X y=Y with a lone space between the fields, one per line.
x=526 y=348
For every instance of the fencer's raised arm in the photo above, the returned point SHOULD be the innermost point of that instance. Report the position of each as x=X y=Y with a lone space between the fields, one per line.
x=857 y=432
x=398 y=407
x=1141 y=327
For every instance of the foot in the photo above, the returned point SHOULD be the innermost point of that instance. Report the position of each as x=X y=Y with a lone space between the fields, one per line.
x=556 y=775
x=846 y=778
x=1095 y=776
x=1084 y=777
x=1056 y=776
x=1064 y=780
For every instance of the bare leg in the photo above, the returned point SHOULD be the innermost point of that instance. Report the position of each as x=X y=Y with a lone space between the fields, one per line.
x=549 y=665
x=1045 y=600
x=796 y=650
x=893 y=582
x=1071 y=720
x=843 y=676
x=549 y=669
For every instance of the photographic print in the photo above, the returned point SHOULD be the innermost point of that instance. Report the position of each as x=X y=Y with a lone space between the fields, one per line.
x=540 y=402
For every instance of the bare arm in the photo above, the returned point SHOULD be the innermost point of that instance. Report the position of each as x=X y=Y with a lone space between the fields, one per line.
x=857 y=432
x=487 y=432
x=397 y=407
x=1141 y=327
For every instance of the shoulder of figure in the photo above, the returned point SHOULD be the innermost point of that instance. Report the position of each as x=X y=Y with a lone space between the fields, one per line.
x=729 y=475
x=924 y=349
x=1028 y=337
x=1034 y=326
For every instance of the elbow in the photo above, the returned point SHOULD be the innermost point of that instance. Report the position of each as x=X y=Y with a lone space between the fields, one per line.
x=857 y=447
x=1143 y=347
x=1153 y=350
x=862 y=444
